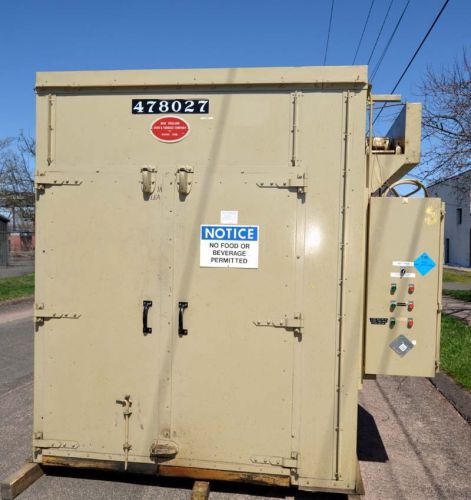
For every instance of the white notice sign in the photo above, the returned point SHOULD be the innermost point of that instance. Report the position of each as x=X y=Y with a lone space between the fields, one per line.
x=229 y=246
x=229 y=216
x=402 y=263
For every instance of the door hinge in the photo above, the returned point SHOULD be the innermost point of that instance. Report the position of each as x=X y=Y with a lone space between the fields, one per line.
x=298 y=181
x=295 y=321
x=41 y=312
x=289 y=463
x=54 y=443
x=44 y=179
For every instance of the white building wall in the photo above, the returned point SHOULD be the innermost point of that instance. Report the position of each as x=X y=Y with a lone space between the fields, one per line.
x=458 y=235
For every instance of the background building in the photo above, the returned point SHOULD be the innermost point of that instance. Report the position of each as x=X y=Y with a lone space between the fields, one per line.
x=21 y=235
x=3 y=241
x=456 y=193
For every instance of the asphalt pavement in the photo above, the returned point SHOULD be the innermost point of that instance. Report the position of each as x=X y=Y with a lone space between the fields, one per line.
x=17 y=267
x=412 y=442
x=459 y=309
x=449 y=285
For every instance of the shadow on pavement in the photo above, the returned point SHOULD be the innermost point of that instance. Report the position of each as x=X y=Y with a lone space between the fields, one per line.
x=370 y=447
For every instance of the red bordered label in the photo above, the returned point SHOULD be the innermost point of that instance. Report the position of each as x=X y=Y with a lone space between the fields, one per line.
x=170 y=129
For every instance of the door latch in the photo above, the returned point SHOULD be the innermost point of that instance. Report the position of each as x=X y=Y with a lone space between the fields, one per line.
x=126 y=403
x=148 y=181
x=184 y=180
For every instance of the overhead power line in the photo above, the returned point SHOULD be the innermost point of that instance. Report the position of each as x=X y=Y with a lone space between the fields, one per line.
x=380 y=31
x=380 y=60
x=420 y=45
x=328 y=32
x=417 y=50
x=364 y=29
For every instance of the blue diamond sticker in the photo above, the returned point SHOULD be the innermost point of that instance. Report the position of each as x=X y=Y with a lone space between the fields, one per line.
x=424 y=263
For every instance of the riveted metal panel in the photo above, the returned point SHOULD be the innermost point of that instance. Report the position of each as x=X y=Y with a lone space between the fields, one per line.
x=265 y=379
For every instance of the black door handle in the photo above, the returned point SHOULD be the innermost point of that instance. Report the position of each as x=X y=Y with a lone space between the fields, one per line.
x=181 y=307
x=147 y=304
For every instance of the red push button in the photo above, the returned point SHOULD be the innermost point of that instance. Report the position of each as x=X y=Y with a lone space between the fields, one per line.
x=411 y=289
x=410 y=323
x=410 y=306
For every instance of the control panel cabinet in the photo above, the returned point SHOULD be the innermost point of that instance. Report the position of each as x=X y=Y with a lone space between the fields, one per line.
x=404 y=285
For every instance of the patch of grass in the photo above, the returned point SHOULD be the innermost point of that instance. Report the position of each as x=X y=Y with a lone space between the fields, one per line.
x=455 y=350
x=17 y=287
x=459 y=294
x=456 y=276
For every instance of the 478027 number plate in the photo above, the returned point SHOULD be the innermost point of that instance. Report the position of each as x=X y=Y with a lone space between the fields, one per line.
x=163 y=106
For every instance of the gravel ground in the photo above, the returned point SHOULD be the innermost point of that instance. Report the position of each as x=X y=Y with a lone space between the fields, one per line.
x=427 y=442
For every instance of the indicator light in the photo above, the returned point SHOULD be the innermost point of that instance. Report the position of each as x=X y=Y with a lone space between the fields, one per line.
x=410 y=323
x=410 y=306
x=393 y=288
x=392 y=305
x=392 y=322
x=411 y=289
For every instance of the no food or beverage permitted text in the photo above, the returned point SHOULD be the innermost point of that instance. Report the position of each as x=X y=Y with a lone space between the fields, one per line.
x=229 y=246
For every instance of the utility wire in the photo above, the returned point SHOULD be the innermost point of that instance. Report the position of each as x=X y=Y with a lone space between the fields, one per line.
x=417 y=50
x=378 y=64
x=363 y=32
x=328 y=33
x=420 y=45
x=380 y=31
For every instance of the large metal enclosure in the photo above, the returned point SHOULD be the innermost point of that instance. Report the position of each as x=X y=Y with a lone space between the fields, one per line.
x=202 y=267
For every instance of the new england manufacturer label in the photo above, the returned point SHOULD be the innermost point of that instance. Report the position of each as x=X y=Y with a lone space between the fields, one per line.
x=229 y=246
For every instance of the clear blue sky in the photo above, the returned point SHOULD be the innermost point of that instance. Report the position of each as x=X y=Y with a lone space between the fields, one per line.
x=52 y=35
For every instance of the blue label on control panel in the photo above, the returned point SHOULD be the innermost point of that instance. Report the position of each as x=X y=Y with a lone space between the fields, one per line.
x=424 y=263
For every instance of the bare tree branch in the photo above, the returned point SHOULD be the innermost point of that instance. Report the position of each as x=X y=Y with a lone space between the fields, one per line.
x=447 y=122
x=17 y=181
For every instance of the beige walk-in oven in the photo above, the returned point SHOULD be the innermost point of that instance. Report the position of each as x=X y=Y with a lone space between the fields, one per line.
x=222 y=255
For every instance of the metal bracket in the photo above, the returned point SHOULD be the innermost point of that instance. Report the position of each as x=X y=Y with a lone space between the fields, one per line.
x=296 y=322
x=298 y=181
x=289 y=463
x=184 y=179
x=41 y=313
x=44 y=179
